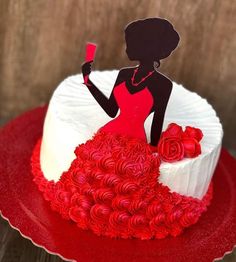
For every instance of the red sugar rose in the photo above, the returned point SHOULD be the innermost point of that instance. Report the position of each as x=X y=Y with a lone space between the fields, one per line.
x=170 y=149
x=192 y=132
x=175 y=143
x=173 y=130
x=192 y=147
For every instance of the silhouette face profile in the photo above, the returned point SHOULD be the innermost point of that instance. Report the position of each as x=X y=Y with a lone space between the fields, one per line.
x=129 y=53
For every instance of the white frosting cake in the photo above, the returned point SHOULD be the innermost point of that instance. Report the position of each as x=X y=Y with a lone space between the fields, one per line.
x=73 y=117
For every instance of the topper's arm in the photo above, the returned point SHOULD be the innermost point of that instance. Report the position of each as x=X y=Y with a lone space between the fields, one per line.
x=109 y=105
x=159 y=114
x=156 y=128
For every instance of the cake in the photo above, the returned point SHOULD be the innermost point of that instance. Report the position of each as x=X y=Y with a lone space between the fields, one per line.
x=102 y=167
x=70 y=121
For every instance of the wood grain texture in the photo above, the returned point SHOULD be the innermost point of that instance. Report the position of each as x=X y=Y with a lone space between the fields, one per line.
x=43 y=41
x=14 y=248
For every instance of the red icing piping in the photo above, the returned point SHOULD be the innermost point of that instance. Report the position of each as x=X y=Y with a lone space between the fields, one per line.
x=112 y=189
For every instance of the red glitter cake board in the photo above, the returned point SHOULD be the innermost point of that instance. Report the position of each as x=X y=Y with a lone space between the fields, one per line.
x=25 y=209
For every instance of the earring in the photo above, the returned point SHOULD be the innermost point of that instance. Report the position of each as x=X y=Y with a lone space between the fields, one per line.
x=156 y=64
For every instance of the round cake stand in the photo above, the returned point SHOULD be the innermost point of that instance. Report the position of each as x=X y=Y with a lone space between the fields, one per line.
x=26 y=211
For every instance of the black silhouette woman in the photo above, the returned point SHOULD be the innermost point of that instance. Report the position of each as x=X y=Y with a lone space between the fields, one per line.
x=147 y=41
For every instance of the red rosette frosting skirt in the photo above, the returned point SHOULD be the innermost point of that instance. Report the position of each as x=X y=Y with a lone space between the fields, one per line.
x=112 y=189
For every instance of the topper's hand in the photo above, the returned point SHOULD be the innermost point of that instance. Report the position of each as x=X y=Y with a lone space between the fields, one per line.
x=86 y=68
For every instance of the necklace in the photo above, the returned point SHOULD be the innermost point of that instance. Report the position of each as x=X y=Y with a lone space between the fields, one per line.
x=144 y=78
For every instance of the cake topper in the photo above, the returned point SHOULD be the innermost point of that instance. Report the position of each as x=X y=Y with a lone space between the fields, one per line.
x=138 y=91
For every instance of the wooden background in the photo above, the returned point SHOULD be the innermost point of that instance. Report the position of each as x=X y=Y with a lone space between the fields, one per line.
x=43 y=41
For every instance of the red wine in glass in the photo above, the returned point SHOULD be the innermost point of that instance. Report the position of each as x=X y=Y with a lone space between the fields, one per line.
x=90 y=54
